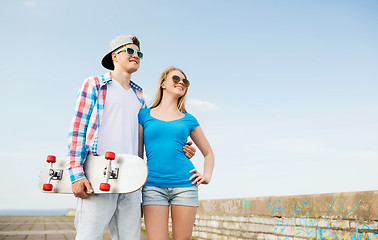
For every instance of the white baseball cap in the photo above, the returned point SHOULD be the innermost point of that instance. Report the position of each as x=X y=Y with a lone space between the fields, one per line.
x=107 y=61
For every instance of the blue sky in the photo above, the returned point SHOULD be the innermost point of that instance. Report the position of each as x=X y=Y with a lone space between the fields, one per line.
x=285 y=91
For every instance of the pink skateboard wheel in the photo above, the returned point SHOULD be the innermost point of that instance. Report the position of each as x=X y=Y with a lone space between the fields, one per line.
x=105 y=187
x=47 y=187
x=51 y=159
x=110 y=155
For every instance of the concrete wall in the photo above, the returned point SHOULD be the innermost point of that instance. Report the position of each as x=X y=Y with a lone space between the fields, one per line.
x=319 y=216
x=330 y=216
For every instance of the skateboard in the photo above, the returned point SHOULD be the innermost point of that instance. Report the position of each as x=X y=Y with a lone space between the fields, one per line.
x=111 y=173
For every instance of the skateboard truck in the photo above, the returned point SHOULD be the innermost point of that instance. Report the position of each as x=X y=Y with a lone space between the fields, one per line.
x=109 y=173
x=55 y=174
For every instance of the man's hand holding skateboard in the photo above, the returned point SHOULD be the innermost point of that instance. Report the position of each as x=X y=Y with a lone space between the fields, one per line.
x=82 y=188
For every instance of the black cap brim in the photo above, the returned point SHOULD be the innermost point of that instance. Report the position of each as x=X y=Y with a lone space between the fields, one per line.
x=107 y=61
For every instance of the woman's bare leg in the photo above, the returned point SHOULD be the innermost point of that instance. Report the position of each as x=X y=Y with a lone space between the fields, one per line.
x=156 y=220
x=183 y=218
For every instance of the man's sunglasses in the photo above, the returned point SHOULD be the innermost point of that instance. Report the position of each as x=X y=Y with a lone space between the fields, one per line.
x=176 y=79
x=131 y=52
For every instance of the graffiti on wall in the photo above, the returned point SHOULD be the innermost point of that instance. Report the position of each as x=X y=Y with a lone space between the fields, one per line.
x=298 y=223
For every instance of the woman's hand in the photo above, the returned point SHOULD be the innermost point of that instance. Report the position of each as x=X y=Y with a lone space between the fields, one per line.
x=198 y=178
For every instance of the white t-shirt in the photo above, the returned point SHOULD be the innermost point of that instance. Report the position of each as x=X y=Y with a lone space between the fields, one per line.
x=118 y=131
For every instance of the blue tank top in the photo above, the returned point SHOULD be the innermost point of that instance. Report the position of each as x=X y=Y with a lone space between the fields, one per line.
x=168 y=167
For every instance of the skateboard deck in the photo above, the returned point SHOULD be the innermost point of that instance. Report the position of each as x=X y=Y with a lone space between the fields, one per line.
x=128 y=173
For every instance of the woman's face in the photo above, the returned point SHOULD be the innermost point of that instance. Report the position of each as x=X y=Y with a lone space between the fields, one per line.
x=171 y=86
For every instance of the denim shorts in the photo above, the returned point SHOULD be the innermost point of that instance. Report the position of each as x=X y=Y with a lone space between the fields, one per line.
x=187 y=196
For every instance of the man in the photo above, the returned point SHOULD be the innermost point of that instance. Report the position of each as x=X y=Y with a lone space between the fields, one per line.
x=106 y=119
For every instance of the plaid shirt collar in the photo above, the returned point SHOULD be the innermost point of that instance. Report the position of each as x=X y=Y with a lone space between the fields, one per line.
x=107 y=78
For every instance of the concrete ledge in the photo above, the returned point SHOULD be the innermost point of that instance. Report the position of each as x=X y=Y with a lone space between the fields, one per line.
x=350 y=215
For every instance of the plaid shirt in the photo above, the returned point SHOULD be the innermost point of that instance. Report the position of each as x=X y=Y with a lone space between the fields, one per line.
x=83 y=133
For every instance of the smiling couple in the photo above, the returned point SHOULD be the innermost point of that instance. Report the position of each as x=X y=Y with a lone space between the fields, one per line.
x=111 y=115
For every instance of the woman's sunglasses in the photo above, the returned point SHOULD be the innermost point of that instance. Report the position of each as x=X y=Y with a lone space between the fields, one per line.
x=131 y=52
x=176 y=79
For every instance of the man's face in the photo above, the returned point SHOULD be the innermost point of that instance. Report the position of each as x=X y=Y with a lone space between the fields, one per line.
x=126 y=58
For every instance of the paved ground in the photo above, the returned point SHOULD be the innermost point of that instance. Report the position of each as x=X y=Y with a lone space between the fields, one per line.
x=41 y=227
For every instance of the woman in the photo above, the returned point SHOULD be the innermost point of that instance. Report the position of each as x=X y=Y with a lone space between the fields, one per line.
x=173 y=181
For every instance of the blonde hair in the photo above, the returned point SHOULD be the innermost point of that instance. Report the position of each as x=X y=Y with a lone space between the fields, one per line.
x=159 y=91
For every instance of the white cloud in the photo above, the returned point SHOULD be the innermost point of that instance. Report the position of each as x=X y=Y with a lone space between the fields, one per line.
x=195 y=102
x=30 y=4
